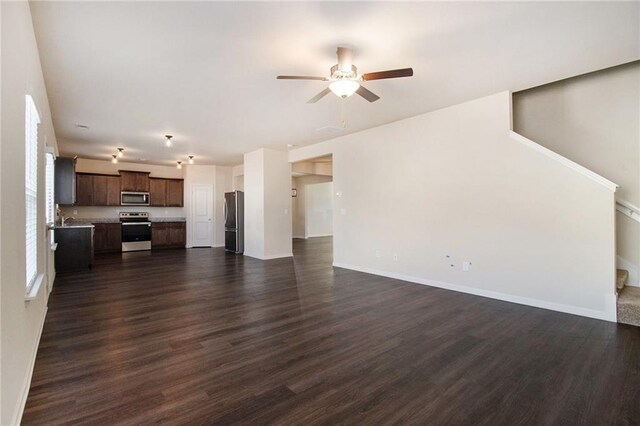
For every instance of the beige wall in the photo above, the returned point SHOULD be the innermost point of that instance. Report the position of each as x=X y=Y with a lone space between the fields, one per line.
x=298 y=203
x=460 y=188
x=107 y=167
x=593 y=120
x=21 y=321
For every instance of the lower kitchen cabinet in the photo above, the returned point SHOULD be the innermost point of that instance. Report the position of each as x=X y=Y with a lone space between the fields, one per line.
x=168 y=235
x=74 y=250
x=107 y=238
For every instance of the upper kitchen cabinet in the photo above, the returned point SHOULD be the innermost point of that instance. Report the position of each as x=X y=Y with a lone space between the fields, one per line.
x=84 y=189
x=166 y=192
x=158 y=192
x=175 y=193
x=106 y=190
x=97 y=190
x=65 y=181
x=134 y=181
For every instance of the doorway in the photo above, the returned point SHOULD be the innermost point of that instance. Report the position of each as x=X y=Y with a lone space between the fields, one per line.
x=312 y=209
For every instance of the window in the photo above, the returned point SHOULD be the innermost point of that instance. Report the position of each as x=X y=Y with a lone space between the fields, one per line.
x=31 y=189
x=50 y=182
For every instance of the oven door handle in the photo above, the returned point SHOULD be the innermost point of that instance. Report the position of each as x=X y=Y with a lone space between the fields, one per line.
x=136 y=223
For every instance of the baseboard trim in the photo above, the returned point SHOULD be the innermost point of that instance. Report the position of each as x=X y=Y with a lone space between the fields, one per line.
x=270 y=257
x=27 y=384
x=319 y=235
x=608 y=315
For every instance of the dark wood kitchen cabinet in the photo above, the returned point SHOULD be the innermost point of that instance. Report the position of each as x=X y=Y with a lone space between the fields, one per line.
x=134 y=181
x=168 y=235
x=166 y=192
x=106 y=190
x=159 y=235
x=84 y=189
x=65 y=181
x=175 y=193
x=177 y=234
x=107 y=238
x=75 y=248
x=158 y=192
x=97 y=190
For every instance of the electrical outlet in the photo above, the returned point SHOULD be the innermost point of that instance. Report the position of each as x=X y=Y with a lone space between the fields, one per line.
x=466 y=265
x=395 y=256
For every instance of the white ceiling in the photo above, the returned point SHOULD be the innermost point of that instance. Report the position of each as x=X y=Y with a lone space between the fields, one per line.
x=205 y=72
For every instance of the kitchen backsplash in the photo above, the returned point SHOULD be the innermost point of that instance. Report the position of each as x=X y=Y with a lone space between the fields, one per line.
x=80 y=212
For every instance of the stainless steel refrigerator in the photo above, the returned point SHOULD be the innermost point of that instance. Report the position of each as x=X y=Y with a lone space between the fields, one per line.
x=234 y=221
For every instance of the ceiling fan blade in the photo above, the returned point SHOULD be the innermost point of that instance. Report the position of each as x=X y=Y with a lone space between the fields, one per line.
x=367 y=94
x=301 y=77
x=345 y=59
x=379 y=75
x=319 y=96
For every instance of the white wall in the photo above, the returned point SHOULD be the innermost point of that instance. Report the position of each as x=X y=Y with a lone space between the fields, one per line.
x=267 y=188
x=298 y=203
x=319 y=210
x=593 y=120
x=21 y=321
x=454 y=183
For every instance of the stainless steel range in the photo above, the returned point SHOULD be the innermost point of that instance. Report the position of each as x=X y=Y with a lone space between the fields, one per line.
x=136 y=231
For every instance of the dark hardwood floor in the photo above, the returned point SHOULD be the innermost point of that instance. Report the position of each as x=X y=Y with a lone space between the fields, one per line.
x=203 y=337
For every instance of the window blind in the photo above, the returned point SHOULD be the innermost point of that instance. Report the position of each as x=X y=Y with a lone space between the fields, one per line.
x=31 y=189
x=49 y=182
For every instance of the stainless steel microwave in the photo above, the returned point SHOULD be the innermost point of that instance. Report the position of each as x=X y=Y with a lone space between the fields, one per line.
x=134 y=198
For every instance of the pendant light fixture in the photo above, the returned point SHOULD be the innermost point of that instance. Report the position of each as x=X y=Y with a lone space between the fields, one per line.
x=114 y=160
x=179 y=166
x=168 y=143
x=120 y=152
x=191 y=159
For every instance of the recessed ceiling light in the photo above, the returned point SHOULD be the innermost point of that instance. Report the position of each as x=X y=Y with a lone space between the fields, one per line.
x=82 y=126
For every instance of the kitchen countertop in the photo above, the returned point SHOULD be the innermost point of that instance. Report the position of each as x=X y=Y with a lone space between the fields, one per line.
x=90 y=221
x=74 y=226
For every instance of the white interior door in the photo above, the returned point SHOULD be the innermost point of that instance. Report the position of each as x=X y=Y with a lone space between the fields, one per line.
x=201 y=215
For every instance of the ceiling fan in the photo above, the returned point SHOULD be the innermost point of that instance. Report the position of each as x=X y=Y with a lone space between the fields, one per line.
x=345 y=80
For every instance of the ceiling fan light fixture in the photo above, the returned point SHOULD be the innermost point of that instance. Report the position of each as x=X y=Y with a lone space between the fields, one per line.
x=344 y=88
